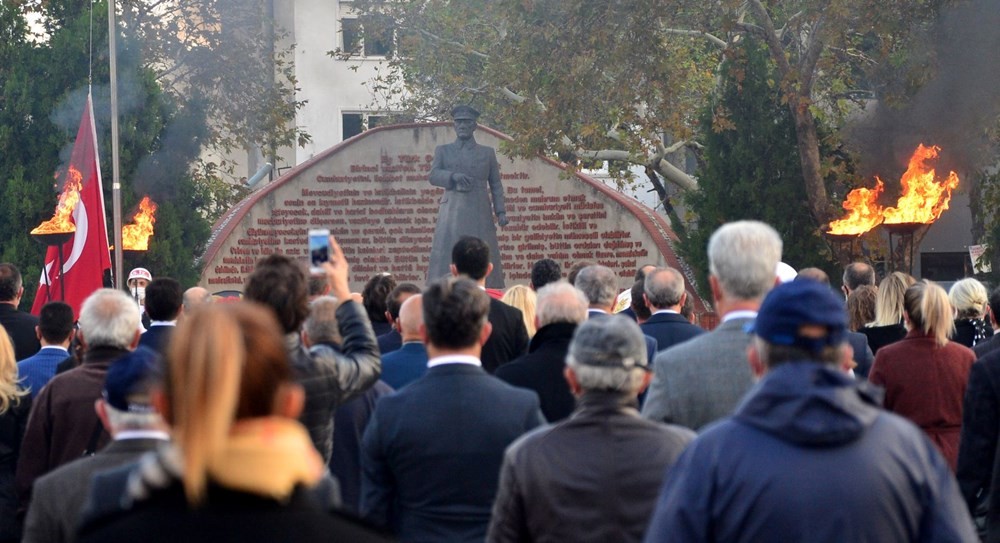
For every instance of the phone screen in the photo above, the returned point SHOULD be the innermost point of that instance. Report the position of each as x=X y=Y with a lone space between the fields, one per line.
x=319 y=249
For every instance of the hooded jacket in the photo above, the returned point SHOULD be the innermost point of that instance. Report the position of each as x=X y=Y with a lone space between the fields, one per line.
x=809 y=456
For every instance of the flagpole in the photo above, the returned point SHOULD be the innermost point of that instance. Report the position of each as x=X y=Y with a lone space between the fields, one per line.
x=116 y=188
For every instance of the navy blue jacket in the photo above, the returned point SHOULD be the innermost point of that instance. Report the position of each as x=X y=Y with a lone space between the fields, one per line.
x=669 y=329
x=432 y=452
x=404 y=365
x=809 y=456
x=389 y=341
x=157 y=338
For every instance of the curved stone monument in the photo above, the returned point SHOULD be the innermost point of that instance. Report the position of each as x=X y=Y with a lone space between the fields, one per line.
x=372 y=192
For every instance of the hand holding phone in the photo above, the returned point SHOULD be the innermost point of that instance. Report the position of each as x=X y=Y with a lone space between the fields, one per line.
x=319 y=250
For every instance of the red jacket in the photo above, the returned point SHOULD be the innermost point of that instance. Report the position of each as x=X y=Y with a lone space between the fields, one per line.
x=925 y=383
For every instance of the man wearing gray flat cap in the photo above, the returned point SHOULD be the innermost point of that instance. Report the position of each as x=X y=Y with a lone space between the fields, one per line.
x=594 y=476
x=470 y=176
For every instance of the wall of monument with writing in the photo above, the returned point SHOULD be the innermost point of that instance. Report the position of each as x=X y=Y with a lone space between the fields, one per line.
x=372 y=192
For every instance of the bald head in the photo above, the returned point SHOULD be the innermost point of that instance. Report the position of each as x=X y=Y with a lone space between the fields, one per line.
x=664 y=289
x=411 y=317
x=195 y=296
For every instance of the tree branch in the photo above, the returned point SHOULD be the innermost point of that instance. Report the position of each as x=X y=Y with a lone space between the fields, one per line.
x=807 y=65
x=699 y=33
x=460 y=45
x=770 y=37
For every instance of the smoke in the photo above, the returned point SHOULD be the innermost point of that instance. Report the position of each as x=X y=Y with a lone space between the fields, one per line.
x=954 y=110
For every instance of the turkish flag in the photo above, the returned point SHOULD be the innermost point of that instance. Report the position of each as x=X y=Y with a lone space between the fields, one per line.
x=86 y=255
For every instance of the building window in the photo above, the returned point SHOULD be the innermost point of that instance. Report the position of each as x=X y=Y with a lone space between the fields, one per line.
x=356 y=123
x=374 y=39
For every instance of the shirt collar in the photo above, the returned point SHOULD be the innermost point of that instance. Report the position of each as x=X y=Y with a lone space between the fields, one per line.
x=740 y=314
x=666 y=311
x=162 y=323
x=55 y=347
x=142 y=434
x=454 y=359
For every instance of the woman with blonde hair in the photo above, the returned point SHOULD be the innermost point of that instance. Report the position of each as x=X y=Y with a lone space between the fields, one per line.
x=888 y=324
x=522 y=298
x=925 y=374
x=240 y=464
x=970 y=300
x=14 y=407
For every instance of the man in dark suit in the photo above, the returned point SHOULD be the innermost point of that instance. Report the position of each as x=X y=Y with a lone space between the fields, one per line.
x=471 y=257
x=55 y=330
x=432 y=451
x=164 y=300
x=991 y=343
x=393 y=339
x=559 y=309
x=640 y=275
x=470 y=176
x=126 y=412
x=600 y=285
x=20 y=326
x=543 y=272
x=408 y=363
x=664 y=295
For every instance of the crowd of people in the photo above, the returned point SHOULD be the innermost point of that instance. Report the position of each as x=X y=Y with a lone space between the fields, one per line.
x=561 y=410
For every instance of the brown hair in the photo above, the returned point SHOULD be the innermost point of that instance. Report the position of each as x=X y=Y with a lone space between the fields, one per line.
x=861 y=307
x=929 y=310
x=226 y=362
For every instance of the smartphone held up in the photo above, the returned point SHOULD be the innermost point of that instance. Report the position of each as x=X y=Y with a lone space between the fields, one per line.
x=319 y=249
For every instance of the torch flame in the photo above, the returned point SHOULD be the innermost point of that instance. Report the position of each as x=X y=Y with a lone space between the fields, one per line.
x=923 y=199
x=60 y=221
x=864 y=212
x=135 y=237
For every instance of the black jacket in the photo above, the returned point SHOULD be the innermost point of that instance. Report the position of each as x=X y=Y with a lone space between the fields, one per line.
x=978 y=468
x=541 y=370
x=20 y=326
x=329 y=377
x=509 y=338
x=593 y=477
x=12 y=424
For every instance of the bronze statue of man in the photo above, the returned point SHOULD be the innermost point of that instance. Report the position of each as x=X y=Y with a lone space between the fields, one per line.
x=469 y=174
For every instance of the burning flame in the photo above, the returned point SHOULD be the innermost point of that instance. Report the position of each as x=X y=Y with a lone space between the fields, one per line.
x=864 y=212
x=922 y=201
x=60 y=221
x=135 y=236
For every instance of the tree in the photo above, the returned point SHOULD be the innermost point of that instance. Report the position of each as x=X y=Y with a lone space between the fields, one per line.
x=751 y=168
x=618 y=80
x=43 y=93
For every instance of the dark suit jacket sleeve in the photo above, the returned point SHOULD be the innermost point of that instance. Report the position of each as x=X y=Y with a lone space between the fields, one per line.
x=440 y=177
x=496 y=185
x=521 y=339
x=377 y=484
x=977 y=451
x=45 y=519
x=358 y=367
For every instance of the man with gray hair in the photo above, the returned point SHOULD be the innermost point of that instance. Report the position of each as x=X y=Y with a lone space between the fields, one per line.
x=559 y=308
x=664 y=295
x=126 y=412
x=63 y=425
x=702 y=380
x=600 y=286
x=196 y=296
x=555 y=481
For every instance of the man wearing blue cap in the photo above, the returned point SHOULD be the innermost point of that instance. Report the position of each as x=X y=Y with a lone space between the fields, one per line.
x=127 y=414
x=809 y=455
x=470 y=176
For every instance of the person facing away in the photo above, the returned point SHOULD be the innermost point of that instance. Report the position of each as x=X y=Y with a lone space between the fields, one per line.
x=126 y=412
x=393 y=339
x=406 y=364
x=328 y=377
x=20 y=326
x=561 y=308
x=432 y=451
x=241 y=466
x=15 y=405
x=63 y=425
x=857 y=274
x=925 y=374
x=703 y=379
x=599 y=285
x=664 y=294
x=164 y=304
x=556 y=481
x=509 y=338
x=55 y=330
x=809 y=455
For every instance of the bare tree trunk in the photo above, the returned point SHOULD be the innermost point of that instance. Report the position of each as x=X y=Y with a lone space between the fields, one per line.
x=808 y=144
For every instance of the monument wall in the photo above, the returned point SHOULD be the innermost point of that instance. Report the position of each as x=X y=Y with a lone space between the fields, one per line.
x=372 y=192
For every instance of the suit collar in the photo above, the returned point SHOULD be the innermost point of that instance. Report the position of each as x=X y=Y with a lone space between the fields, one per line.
x=557 y=331
x=734 y=324
x=454 y=369
x=666 y=317
x=133 y=445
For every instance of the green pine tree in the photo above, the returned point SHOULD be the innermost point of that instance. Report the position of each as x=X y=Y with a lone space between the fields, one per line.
x=752 y=168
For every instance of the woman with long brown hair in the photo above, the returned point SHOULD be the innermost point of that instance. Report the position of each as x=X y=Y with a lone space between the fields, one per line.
x=15 y=403
x=240 y=464
x=925 y=374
